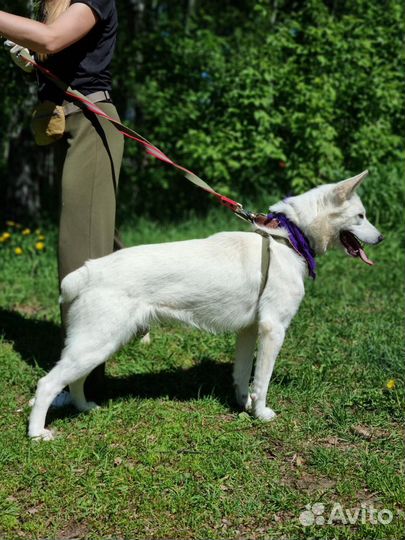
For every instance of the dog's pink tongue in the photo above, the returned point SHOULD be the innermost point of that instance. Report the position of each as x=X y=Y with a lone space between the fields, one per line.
x=364 y=258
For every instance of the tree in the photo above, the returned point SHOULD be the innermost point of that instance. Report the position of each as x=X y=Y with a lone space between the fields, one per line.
x=256 y=96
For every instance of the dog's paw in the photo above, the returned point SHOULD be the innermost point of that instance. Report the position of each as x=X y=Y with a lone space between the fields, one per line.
x=266 y=414
x=86 y=406
x=244 y=402
x=146 y=339
x=90 y=406
x=248 y=403
x=43 y=435
x=243 y=399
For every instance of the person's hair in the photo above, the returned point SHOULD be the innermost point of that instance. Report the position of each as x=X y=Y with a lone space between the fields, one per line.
x=53 y=8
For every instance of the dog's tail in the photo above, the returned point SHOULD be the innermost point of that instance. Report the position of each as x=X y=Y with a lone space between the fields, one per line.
x=73 y=283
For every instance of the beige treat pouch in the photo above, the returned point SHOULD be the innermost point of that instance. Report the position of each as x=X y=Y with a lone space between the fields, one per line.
x=47 y=123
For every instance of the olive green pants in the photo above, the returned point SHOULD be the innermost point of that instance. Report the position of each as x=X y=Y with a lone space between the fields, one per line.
x=88 y=162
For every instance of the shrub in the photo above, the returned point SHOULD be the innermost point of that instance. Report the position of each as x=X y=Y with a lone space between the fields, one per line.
x=285 y=100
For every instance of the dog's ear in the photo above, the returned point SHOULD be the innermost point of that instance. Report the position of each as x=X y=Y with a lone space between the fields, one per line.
x=345 y=189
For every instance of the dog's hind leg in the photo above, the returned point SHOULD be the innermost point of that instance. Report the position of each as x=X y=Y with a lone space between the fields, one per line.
x=47 y=390
x=245 y=348
x=72 y=369
x=99 y=323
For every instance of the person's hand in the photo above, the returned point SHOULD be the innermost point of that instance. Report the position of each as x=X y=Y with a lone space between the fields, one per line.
x=19 y=55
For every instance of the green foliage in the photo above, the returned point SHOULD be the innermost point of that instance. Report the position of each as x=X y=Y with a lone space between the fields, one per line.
x=20 y=241
x=259 y=98
x=267 y=102
x=13 y=88
x=383 y=195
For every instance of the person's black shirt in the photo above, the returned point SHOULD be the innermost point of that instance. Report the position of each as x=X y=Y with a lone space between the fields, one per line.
x=84 y=66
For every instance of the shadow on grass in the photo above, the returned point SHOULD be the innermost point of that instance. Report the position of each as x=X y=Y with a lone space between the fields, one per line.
x=39 y=343
x=206 y=378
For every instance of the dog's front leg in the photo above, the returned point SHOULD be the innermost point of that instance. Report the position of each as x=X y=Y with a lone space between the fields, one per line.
x=245 y=348
x=271 y=337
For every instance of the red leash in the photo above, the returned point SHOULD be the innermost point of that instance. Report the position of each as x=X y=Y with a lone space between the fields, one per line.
x=151 y=149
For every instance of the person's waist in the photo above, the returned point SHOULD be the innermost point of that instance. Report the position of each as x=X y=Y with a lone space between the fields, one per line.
x=70 y=107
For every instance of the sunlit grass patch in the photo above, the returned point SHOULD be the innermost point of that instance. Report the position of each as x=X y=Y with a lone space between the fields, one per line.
x=169 y=455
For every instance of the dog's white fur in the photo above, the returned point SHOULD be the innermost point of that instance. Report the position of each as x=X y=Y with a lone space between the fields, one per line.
x=212 y=284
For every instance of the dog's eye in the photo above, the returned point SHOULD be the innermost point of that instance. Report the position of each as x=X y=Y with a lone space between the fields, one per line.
x=361 y=216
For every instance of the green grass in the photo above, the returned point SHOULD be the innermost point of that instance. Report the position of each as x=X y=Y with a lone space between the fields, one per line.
x=168 y=455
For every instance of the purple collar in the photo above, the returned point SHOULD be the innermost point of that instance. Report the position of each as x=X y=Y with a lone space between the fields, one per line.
x=298 y=240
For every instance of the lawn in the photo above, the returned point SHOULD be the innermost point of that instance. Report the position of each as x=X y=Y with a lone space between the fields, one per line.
x=169 y=456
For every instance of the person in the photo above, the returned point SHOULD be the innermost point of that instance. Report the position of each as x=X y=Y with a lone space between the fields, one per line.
x=75 y=40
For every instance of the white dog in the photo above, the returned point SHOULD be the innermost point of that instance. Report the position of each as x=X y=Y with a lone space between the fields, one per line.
x=226 y=282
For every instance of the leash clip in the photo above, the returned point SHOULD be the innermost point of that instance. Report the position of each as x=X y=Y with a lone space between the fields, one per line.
x=246 y=215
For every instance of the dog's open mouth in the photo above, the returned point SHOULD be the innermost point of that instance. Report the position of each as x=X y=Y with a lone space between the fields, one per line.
x=353 y=247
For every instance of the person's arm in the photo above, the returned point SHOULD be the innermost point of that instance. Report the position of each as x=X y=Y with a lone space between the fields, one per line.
x=72 y=25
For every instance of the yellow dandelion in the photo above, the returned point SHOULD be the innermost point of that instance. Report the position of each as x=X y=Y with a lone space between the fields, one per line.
x=4 y=237
x=39 y=246
x=26 y=232
x=391 y=384
x=41 y=237
x=10 y=223
x=18 y=251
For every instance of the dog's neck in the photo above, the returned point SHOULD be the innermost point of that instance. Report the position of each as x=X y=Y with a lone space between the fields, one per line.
x=297 y=239
x=292 y=208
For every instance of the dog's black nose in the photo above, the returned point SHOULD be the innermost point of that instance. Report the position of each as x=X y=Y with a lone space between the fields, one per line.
x=380 y=238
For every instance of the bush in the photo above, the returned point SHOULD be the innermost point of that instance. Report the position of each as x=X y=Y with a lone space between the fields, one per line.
x=259 y=98
x=284 y=101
